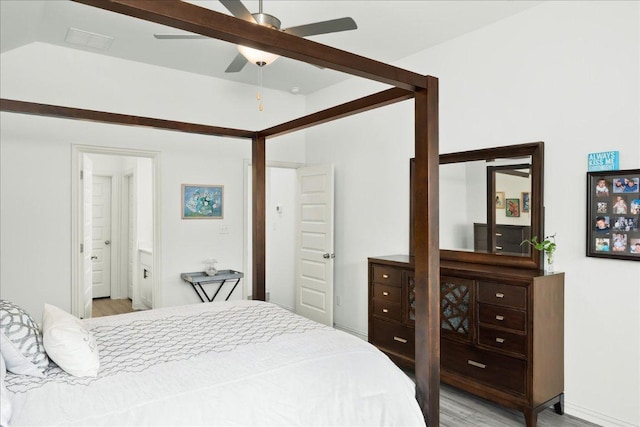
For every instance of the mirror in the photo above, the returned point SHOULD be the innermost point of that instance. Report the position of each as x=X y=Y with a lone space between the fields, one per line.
x=490 y=200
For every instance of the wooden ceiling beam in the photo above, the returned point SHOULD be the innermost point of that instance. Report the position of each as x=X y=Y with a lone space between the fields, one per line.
x=199 y=20
x=360 y=105
x=25 y=107
x=370 y=102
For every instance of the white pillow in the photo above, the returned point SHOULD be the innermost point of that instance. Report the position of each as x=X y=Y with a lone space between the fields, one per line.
x=5 y=403
x=21 y=341
x=68 y=343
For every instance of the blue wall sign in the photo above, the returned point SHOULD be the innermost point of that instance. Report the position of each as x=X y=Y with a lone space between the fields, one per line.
x=604 y=161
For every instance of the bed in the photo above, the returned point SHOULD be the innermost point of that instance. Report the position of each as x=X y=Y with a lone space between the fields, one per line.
x=222 y=363
x=423 y=89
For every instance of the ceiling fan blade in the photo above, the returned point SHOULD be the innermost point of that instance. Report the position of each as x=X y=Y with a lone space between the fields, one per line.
x=237 y=64
x=238 y=10
x=324 y=27
x=179 y=36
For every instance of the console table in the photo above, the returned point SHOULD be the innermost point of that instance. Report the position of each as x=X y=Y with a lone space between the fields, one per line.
x=197 y=279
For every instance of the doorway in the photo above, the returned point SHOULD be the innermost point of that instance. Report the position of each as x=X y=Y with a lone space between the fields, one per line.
x=299 y=238
x=101 y=236
x=280 y=233
x=120 y=228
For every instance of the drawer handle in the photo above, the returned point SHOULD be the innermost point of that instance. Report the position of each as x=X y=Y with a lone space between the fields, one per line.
x=385 y=310
x=499 y=295
x=385 y=293
x=385 y=276
x=500 y=340
x=499 y=248
x=498 y=234
x=498 y=317
x=476 y=364
x=402 y=340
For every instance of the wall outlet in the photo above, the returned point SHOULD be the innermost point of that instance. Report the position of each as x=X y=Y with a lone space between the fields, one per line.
x=338 y=300
x=223 y=229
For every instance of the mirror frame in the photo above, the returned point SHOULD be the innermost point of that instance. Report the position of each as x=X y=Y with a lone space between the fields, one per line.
x=533 y=149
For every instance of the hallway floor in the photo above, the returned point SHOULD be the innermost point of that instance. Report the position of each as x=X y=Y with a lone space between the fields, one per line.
x=109 y=307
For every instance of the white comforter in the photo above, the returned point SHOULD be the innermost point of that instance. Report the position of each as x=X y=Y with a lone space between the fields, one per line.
x=231 y=363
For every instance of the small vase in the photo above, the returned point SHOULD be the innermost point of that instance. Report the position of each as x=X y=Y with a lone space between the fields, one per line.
x=550 y=266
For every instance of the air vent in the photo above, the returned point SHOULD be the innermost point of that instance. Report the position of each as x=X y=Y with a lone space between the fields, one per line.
x=88 y=39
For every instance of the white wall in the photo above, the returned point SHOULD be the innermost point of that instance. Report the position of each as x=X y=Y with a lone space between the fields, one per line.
x=566 y=73
x=280 y=234
x=35 y=156
x=144 y=202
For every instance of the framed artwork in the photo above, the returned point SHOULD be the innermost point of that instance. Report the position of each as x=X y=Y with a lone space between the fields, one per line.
x=202 y=201
x=512 y=207
x=525 y=197
x=613 y=213
x=499 y=199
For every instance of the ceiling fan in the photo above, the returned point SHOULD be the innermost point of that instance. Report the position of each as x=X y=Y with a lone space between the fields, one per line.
x=258 y=57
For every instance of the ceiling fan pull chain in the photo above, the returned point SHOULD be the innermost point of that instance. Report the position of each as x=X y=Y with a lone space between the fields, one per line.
x=259 y=95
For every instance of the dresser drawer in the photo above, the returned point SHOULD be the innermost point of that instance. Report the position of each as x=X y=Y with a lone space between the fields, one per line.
x=508 y=247
x=496 y=370
x=387 y=293
x=507 y=341
x=500 y=294
x=502 y=316
x=394 y=338
x=386 y=275
x=388 y=310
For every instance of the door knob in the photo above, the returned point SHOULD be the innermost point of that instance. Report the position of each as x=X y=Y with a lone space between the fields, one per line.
x=107 y=242
x=328 y=256
x=94 y=257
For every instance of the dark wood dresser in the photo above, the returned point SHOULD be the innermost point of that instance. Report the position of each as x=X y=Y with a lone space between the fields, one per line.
x=508 y=238
x=502 y=329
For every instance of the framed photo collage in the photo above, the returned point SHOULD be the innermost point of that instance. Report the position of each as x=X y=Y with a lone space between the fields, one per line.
x=613 y=213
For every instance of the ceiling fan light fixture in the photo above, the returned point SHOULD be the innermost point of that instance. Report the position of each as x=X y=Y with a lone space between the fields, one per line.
x=258 y=57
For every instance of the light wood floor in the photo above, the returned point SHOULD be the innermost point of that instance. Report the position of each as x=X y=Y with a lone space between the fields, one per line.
x=109 y=307
x=461 y=409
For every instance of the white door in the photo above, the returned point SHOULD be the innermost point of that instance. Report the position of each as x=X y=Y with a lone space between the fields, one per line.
x=314 y=244
x=87 y=233
x=130 y=235
x=101 y=236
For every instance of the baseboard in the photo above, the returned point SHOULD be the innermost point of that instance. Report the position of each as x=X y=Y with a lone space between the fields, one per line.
x=594 y=417
x=350 y=331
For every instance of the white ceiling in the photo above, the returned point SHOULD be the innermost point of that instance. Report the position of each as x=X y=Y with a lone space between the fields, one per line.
x=387 y=31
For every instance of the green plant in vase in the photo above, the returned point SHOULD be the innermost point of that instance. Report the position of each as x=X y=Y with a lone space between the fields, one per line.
x=548 y=246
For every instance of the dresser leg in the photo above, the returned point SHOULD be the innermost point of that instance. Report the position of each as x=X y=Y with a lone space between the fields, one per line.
x=559 y=405
x=531 y=417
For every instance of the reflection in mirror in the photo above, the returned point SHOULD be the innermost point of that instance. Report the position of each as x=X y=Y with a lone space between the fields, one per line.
x=463 y=189
x=510 y=187
x=490 y=201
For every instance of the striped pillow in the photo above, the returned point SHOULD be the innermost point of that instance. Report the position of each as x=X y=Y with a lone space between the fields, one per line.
x=21 y=341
